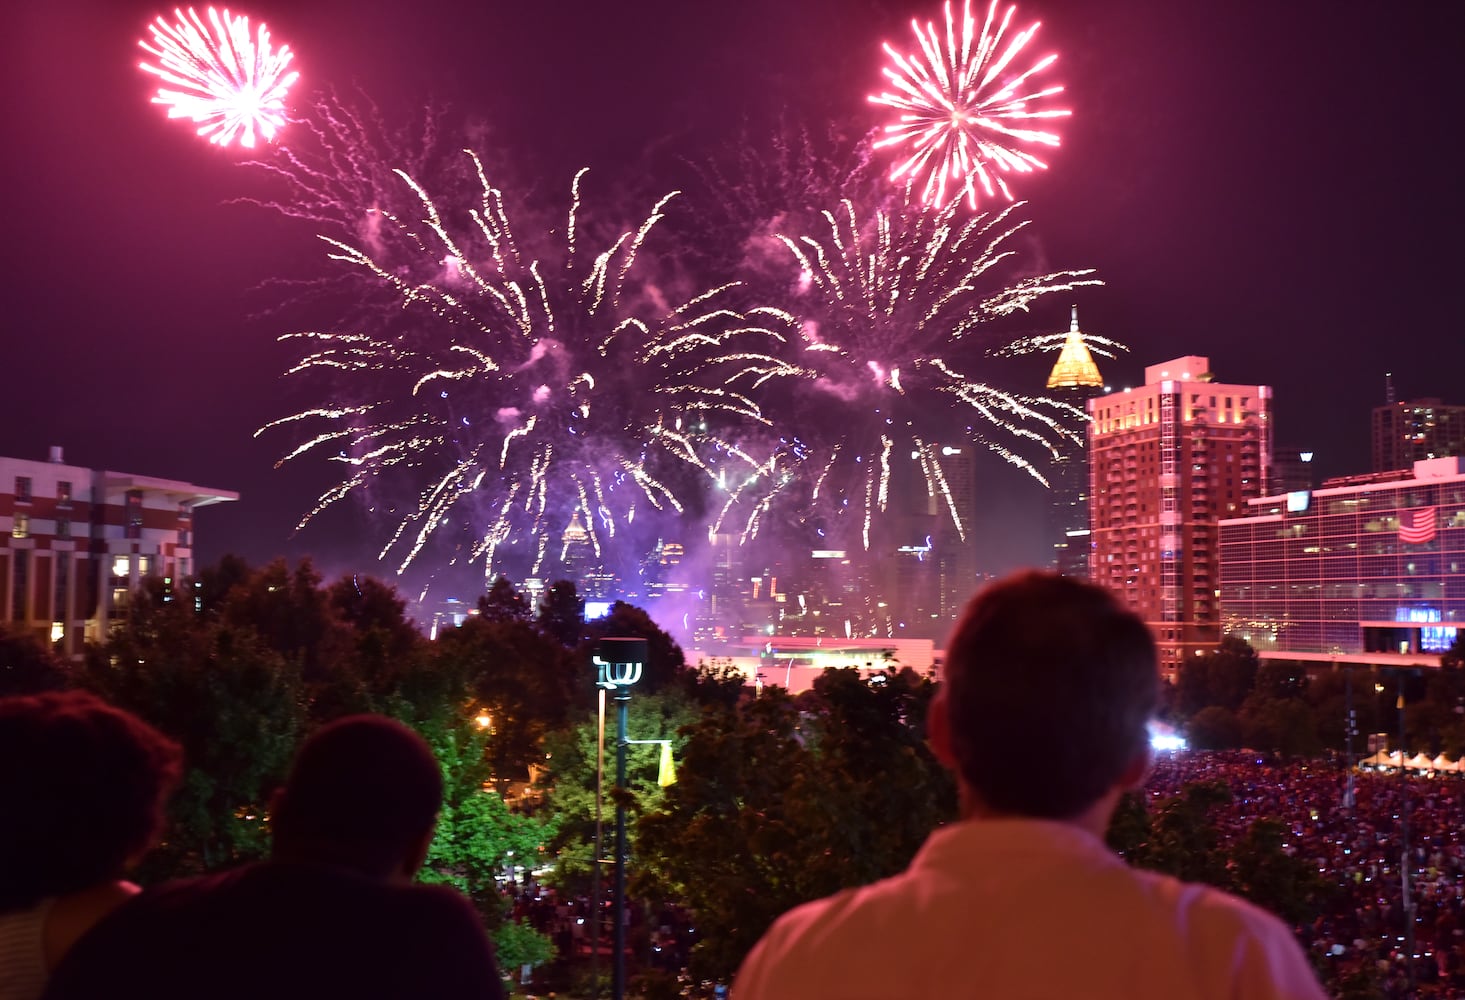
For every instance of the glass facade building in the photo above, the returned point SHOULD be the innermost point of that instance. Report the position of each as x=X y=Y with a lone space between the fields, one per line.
x=1367 y=573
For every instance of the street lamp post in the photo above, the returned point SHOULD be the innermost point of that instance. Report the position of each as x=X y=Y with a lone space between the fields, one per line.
x=621 y=661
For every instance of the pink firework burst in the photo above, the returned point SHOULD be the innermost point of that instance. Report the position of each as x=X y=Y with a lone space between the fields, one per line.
x=966 y=110
x=230 y=83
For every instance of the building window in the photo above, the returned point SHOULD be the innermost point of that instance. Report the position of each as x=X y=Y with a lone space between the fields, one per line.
x=132 y=514
x=20 y=585
x=63 y=494
x=22 y=525
x=23 y=488
x=63 y=528
x=61 y=610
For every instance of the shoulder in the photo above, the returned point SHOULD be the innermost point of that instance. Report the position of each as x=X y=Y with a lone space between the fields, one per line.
x=121 y=939
x=793 y=955
x=76 y=913
x=441 y=940
x=1230 y=937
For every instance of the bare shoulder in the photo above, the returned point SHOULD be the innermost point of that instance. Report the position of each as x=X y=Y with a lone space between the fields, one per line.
x=74 y=914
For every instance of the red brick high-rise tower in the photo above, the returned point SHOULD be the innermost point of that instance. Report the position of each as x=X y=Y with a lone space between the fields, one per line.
x=1167 y=460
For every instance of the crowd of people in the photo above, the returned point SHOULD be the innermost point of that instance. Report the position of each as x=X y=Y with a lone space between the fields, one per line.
x=1361 y=931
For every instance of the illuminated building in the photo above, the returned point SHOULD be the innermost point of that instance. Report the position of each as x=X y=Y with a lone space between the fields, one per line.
x=577 y=553
x=1167 y=461
x=1291 y=470
x=77 y=542
x=1405 y=433
x=1074 y=379
x=1369 y=571
x=921 y=567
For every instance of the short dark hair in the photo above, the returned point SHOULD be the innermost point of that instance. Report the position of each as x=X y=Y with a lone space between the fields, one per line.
x=82 y=790
x=362 y=792
x=1050 y=683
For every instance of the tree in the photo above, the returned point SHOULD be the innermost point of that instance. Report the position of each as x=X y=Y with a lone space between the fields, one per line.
x=235 y=706
x=523 y=680
x=477 y=837
x=517 y=944
x=1215 y=728
x=562 y=614
x=724 y=842
x=1263 y=872
x=503 y=603
x=1222 y=677
x=570 y=772
x=1453 y=659
x=1129 y=827
x=1283 y=725
x=1281 y=680
x=212 y=585
x=1182 y=841
x=27 y=664
x=665 y=663
x=291 y=613
x=778 y=802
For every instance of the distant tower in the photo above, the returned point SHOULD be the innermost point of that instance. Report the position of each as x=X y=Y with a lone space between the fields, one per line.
x=1074 y=379
x=1169 y=459
x=1417 y=429
x=577 y=553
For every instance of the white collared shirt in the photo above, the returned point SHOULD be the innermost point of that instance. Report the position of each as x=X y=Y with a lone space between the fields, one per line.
x=1018 y=908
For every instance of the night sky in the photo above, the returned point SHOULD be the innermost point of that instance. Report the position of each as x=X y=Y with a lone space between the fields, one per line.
x=1276 y=184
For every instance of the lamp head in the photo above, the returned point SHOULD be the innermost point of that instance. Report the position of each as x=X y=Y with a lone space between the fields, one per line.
x=621 y=661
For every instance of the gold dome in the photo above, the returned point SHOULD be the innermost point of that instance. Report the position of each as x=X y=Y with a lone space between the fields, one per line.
x=1075 y=368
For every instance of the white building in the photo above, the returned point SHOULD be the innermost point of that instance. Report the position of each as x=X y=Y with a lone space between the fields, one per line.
x=75 y=543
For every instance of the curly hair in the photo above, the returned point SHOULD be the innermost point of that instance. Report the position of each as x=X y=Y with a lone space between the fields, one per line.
x=82 y=791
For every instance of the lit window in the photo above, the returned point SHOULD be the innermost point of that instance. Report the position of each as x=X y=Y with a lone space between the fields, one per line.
x=22 y=526
x=63 y=493
x=121 y=566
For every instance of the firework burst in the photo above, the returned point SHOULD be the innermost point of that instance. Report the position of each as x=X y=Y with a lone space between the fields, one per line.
x=967 y=107
x=229 y=82
x=545 y=398
x=888 y=328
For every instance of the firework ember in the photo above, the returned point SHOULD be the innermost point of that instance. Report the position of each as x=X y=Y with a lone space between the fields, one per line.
x=229 y=82
x=546 y=392
x=888 y=327
x=967 y=107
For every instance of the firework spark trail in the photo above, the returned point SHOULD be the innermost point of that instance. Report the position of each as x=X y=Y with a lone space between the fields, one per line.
x=884 y=326
x=965 y=115
x=533 y=392
x=229 y=83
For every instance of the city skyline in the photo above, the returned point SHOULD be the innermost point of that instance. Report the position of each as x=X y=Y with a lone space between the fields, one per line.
x=1236 y=215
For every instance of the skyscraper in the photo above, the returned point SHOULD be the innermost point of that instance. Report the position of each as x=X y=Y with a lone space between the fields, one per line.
x=1416 y=431
x=1074 y=379
x=1167 y=460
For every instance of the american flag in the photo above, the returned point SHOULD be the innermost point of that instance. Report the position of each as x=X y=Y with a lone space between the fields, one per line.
x=1417 y=526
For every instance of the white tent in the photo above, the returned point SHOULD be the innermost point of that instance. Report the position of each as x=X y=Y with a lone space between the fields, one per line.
x=1381 y=759
x=1443 y=763
x=1419 y=762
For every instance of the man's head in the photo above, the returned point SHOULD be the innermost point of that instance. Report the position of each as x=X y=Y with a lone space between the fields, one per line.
x=363 y=792
x=1047 y=687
